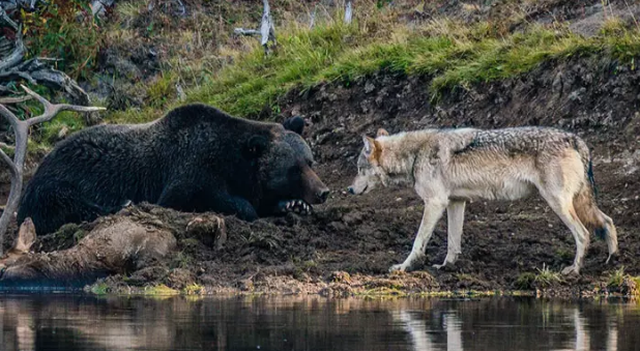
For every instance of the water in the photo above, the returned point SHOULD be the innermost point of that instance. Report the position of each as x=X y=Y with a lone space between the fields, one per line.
x=68 y=322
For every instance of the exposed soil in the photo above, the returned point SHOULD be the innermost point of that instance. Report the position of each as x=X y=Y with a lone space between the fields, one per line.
x=348 y=244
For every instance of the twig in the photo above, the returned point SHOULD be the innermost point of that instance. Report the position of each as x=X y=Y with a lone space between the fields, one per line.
x=6 y=18
x=242 y=31
x=14 y=100
x=16 y=55
x=6 y=146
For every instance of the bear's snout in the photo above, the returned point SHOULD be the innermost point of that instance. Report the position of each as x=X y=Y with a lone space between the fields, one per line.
x=323 y=195
x=315 y=192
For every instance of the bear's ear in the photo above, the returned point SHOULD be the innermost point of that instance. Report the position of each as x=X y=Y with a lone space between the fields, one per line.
x=382 y=132
x=294 y=124
x=255 y=147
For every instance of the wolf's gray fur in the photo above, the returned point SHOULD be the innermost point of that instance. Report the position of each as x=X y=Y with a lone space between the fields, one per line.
x=448 y=167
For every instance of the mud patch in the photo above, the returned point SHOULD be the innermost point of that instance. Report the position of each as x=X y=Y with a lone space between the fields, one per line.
x=348 y=244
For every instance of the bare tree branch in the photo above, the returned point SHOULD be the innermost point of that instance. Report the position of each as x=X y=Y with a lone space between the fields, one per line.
x=348 y=13
x=16 y=55
x=266 y=27
x=50 y=110
x=267 y=30
x=242 y=31
x=21 y=131
x=6 y=146
x=9 y=162
x=14 y=100
x=9 y=116
x=7 y=19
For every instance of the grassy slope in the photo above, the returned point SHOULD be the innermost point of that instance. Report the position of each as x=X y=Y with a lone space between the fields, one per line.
x=453 y=53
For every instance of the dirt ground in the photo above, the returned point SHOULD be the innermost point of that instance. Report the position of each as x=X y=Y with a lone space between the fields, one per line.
x=348 y=244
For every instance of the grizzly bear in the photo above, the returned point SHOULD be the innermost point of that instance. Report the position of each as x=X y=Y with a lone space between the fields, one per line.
x=196 y=158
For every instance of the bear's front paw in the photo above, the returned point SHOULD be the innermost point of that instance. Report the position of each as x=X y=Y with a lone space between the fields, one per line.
x=296 y=206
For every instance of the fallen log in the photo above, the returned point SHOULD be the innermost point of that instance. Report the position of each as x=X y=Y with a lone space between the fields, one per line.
x=118 y=244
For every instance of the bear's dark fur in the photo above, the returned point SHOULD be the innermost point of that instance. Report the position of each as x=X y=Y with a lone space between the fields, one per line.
x=194 y=159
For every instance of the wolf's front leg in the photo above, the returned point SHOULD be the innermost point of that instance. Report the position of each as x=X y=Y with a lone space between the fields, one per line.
x=433 y=209
x=455 y=218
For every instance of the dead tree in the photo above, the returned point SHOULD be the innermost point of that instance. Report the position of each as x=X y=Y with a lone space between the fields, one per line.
x=348 y=13
x=14 y=66
x=267 y=30
x=21 y=132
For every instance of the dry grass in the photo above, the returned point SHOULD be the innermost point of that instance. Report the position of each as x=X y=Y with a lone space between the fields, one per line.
x=199 y=54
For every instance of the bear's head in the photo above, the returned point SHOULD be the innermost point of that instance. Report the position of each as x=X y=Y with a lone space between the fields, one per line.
x=287 y=179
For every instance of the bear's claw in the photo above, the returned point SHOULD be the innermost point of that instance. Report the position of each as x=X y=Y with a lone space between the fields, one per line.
x=296 y=206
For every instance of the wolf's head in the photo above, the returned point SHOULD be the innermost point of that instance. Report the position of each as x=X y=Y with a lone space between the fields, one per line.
x=370 y=174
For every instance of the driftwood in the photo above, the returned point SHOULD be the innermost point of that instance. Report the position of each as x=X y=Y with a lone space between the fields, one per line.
x=35 y=71
x=130 y=240
x=21 y=131
x=111 y=248
x=14 y=67
x=267 y=30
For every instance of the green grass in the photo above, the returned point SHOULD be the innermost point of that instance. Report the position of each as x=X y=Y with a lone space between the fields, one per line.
x=616 y=279
x=546 y=278
x=453 y=54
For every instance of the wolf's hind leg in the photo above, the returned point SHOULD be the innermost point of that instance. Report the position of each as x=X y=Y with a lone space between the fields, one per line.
x=562 y=205
x=433 y=209
x=455 y=219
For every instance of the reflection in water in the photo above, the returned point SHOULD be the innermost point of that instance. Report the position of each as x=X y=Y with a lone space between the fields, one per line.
x=64 y=322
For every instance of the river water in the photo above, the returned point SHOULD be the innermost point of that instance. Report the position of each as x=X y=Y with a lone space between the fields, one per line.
x=81 y=322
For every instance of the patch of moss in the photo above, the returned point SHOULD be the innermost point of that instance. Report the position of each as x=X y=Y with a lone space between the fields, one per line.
x=99 y=289
x=193 y=289
x=160 y=290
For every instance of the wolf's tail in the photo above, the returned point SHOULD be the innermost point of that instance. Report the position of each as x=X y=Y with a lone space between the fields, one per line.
x=587 y=209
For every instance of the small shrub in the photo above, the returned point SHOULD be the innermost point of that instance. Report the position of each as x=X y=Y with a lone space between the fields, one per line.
x=545 y=277
x=616 y=279
x=193 y=289
x=64 y=30
x=525 y=281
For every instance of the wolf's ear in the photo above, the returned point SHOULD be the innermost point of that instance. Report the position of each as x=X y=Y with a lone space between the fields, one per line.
x=372 y=148
x=382 y=132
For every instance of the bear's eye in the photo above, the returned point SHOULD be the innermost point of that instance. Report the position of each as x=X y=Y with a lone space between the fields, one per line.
x=310 y=163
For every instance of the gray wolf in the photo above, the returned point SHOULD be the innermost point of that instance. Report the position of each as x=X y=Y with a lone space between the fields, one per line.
x=196 y=158
x=449 y=167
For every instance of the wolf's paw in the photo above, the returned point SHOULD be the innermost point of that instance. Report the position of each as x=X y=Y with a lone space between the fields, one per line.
x=570 y=270
x=438 y=266
x=397 y=268
x=296 y=206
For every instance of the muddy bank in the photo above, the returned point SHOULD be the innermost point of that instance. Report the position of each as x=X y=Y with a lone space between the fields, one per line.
x=348 y=244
